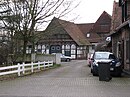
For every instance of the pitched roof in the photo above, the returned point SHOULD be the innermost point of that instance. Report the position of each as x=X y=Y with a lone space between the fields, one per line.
x=85 y=28
x=73 y=30
x=75 y=33
x=116 y=16
x=103 y=23
x=78 y=32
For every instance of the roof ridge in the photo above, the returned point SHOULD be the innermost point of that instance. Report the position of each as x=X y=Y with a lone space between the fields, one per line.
x=75 y=33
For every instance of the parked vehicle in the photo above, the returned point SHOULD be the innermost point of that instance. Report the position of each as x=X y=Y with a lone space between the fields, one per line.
x=115 y=64
x=65 y=58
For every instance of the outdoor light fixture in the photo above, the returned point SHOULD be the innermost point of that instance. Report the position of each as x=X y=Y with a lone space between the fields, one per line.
x=119 y=42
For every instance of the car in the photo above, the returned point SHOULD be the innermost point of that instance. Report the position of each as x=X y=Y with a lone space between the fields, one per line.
x=65 y=58
x=101 y=56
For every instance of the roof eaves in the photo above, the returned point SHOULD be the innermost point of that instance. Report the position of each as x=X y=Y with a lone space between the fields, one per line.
x=122 y=25
x=119 y=27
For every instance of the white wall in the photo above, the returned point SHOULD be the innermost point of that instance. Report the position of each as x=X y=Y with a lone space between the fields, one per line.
x=55 y=58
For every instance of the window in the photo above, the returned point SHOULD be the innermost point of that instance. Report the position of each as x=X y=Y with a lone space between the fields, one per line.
x=108 y=39
x=53 y=48
x=88 y=35
x=73 y=46
x=67 y=46
x=111 y=56
x=58 y=48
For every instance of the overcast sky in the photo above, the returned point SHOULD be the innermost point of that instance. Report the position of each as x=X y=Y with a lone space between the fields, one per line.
x=90 y=10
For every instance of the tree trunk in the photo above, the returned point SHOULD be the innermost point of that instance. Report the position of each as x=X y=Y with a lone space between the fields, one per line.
x=33 y=47
x=24 y=50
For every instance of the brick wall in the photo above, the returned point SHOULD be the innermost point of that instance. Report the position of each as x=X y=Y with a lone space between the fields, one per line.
x=128 y=9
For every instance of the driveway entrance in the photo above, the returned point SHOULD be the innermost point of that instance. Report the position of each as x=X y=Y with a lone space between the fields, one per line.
x=72 y=79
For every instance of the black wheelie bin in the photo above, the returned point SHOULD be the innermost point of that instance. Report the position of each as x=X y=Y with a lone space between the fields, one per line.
x=104 y=71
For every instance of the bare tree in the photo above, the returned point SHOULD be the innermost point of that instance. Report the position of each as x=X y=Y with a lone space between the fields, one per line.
x=23 y=17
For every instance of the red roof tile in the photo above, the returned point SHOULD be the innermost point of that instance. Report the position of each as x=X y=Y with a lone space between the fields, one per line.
x=75 y=33
x=102 y=26
x=103 y=23
x=72 y=29
x=78 y=32
x=85 y=28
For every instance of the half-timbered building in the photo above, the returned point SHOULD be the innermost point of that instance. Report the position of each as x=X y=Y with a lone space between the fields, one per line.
x=66 y=38
x=75 y=40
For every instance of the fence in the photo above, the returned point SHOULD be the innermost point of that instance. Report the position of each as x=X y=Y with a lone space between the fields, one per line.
x=21 y=68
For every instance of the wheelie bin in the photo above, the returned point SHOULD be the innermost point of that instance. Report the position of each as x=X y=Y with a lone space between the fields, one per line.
x=104 y=71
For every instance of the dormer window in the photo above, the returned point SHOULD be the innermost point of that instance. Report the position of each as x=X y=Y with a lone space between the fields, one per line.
x=88 y=35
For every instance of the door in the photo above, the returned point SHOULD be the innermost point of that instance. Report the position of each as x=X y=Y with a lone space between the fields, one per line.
x=55 y=49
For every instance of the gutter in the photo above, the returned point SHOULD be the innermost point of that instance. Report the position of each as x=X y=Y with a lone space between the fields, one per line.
x=122 y=25
x=118 y=28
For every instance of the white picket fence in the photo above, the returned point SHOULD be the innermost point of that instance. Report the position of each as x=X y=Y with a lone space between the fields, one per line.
x=21 y=68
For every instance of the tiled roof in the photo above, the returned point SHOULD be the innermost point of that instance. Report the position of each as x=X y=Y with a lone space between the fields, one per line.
x=78 y=32
x=85 y=28
x=75 y=33
x=93 y=38
x=103 y=23
x=62 y=26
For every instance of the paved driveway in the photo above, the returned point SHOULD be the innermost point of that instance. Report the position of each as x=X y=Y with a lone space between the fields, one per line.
x=72 y=79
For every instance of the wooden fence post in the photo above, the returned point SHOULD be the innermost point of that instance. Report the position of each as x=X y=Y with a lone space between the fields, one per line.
x=32 y=67
x=23 y=68
x=38 y=65
x=51 y=63
x=19 y=70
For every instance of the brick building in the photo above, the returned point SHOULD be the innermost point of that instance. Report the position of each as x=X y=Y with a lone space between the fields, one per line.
x=121 y=32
